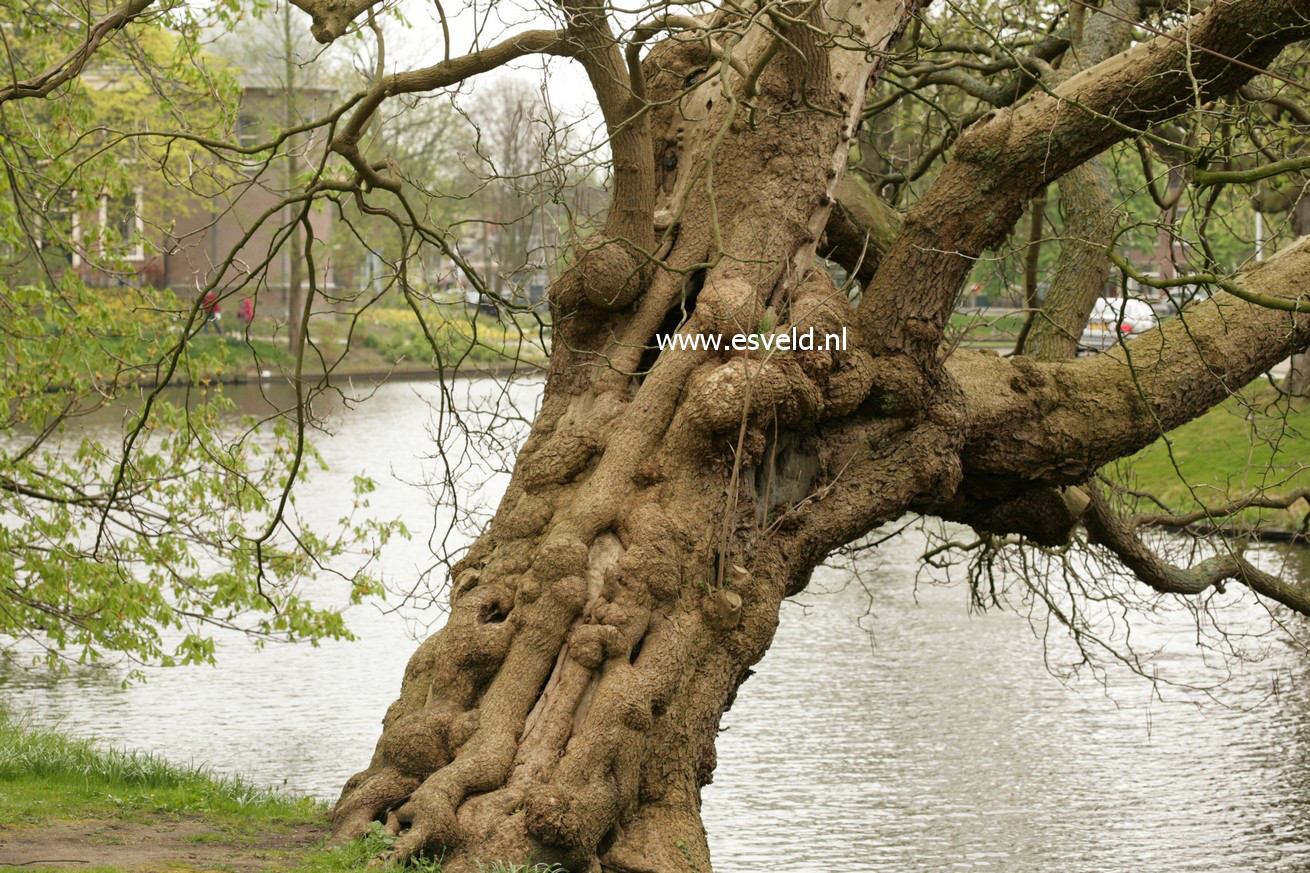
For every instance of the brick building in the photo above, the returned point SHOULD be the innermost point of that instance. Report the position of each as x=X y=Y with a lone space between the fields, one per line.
x=183 y=236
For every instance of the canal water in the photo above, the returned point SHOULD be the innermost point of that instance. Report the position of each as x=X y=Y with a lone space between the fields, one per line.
x=890 y=727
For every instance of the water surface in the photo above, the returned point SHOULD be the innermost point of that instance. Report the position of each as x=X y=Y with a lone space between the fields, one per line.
x=888 y=729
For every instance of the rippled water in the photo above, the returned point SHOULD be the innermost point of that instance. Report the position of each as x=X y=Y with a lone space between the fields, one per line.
x=888 y=729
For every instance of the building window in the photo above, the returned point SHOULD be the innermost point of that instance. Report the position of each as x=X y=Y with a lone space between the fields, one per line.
x=61 y=233
x=247 y=130
x=122 y=228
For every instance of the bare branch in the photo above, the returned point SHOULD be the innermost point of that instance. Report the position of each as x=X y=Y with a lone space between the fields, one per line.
x=1291 y=107
x=441 y=75
x=1001 y=161
x=1300 y=303
x=69 y=67
x=1253 y=500
x=1205 y=178
x=1111 y=531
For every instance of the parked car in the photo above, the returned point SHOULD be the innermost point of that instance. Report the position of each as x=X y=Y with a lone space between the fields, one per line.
x=1115 y=318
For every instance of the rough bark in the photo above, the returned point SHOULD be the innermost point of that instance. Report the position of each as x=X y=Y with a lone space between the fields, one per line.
x=1298 y=376
x=665 y=503
x=600 y=626
x=1034 y=429
x=332 y=18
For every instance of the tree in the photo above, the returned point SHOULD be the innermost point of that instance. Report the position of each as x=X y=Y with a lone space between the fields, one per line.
x=668 y=498
x=137 y=546
x=509 y=118
x=658 y=514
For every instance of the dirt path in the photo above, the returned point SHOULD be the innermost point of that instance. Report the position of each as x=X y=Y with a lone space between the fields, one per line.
x=161 y=844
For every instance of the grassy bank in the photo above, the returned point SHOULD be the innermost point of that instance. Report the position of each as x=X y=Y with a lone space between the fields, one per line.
x=69 y=804
x=1242 y=446
x=378 y=342
x=398 y=350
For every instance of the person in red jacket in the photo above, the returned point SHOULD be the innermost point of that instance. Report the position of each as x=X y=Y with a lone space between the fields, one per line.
x=246 y=313
x=213 y=317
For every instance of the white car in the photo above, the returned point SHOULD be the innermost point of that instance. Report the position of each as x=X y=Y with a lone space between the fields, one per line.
x=1113 y=318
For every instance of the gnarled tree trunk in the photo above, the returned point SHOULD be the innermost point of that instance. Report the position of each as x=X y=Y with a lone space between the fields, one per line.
x=666 y=501
x=600 y=627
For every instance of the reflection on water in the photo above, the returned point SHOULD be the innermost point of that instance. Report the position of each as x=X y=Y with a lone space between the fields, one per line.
x=918 y=737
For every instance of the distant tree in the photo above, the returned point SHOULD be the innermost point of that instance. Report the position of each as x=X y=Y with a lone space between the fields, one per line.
x=138 y=545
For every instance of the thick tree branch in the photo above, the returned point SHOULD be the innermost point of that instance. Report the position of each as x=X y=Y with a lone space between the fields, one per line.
x=332 y=18
x=71 y=65
x=632 y=201
x=1034 y=424
x=1001 y=161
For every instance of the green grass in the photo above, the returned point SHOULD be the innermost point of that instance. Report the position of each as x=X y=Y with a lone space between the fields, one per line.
x=47 y=775
x=357 y=855
x=81 y=869
x=241 y=352
x=395 y=335
x=1243 y=445
x=986 y=329
x=382 y=340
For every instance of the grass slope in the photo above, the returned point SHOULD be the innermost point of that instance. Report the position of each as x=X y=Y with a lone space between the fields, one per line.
x=69 y=804
x=1249 y=443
